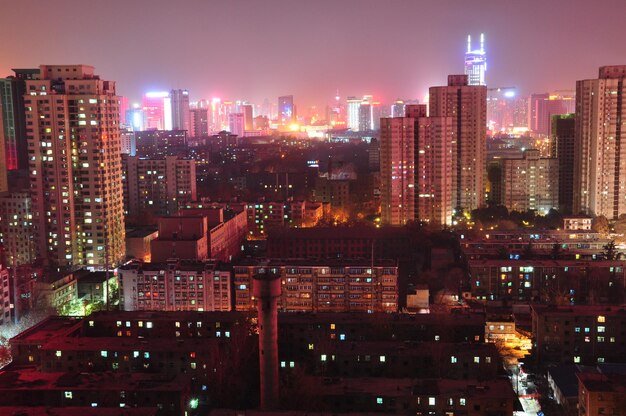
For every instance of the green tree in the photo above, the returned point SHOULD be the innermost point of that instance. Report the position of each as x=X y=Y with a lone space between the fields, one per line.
x=610 y=252
x=600 y=224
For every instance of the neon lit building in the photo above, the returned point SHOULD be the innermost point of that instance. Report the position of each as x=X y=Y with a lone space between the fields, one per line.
x=286 y=110
x=156 y=111
x=476 y=62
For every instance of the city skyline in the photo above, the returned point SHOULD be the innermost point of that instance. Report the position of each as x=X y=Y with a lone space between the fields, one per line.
x=253 y=51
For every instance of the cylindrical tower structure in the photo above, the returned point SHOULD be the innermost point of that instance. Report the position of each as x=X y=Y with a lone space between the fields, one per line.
x=267 y=290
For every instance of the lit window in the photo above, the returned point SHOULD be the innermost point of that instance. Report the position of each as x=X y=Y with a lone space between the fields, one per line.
x=292 y=364
x=332 y=326
x=488 y=360
x=379 y=400
x=601 y=318
x=91 y=323
x=104 y=354
x=68 y=394
x=323 y=357
x=58 y=353
x=382 y=358
x=431 y=401
x=453 y=359
x=577 y=359
x=601 y=329
x=462 y=401
x=283 y=364
x=148 y=325
x=477 y=360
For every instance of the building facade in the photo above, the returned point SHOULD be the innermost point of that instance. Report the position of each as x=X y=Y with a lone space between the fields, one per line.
x=72 y=128
x=175 y=286
x=323 y=286
x=530 y=183
x=16 y=228
x=600 y=144
x=158 y=186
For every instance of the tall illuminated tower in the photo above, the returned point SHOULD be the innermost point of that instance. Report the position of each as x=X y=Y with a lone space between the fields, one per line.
x=600 y=144
x=476 y=62
x=75 y=167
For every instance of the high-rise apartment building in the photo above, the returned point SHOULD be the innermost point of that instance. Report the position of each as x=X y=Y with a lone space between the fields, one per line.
x=397 y=169
x=600 y=146
x=286 y=110
x=180 y=110
x=353 y=104
x=466 y=104
x=12 y=90
x=530 y=183
x=72 y=128
x=160 y=186
x=236 y=124
x=476 y=62
x=365 y=115
x=563 y=138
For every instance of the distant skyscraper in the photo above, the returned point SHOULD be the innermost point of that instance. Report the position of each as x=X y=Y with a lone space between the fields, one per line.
x=286 y=110
x=155 y=111
x=236 y=124
x=136 y=118
x=248 y=116
x=180 y=110
x=75 y=168
x=397 y=109
x=543 y=106
x=600 y=146
x=466 y=104
x=199 y=122
x=476 y=62
x=353 y=113
x=365 y=115
x=12 y=91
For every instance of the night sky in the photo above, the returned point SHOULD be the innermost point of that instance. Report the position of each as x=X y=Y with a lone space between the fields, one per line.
x=265 y=48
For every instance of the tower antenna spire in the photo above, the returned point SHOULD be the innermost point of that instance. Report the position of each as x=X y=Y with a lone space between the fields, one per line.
x=469 y=43
x=482 y=42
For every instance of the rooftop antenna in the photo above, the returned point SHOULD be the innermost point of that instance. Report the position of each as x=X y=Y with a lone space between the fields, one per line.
x=469 y=43
x=482 y=42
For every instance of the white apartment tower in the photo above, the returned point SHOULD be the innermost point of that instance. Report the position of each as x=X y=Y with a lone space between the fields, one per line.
x=600 y=144
x=467 y=106
x=72 y=122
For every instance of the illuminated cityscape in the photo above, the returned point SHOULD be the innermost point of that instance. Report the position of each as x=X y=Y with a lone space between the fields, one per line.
x=272 y=208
